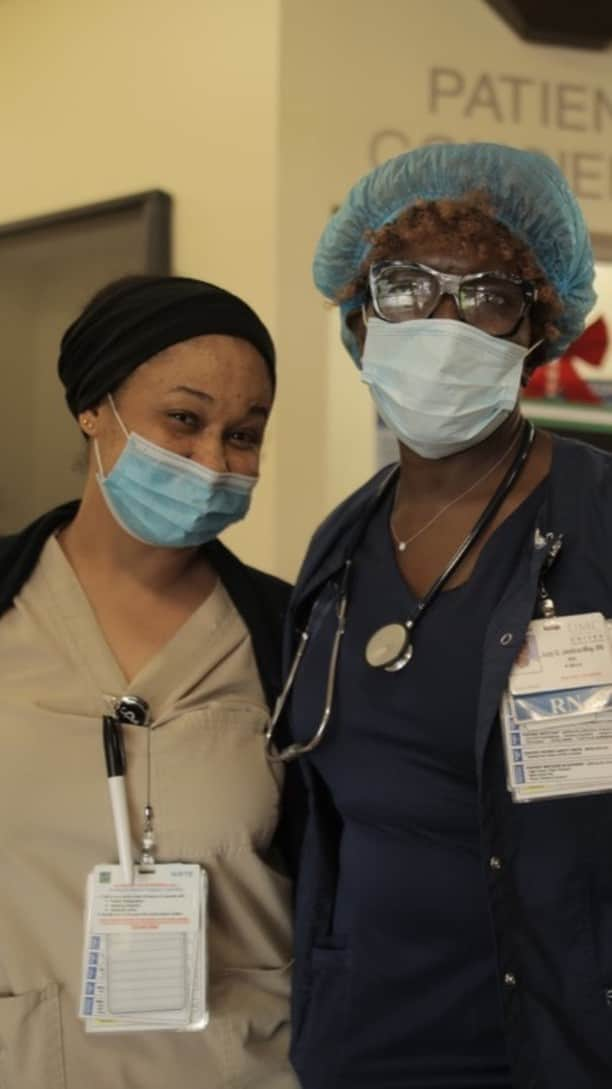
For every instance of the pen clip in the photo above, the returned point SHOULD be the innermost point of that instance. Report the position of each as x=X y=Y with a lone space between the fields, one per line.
x=114 y=749
x=114 y=753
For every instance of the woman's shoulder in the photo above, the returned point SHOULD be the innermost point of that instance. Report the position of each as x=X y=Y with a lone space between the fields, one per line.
x=239 y=578
x=272 y=588
x=581 y=474
x=19 y=552
x=262 y=601
x=328 y=541
x=580 y=497
x=582 y=456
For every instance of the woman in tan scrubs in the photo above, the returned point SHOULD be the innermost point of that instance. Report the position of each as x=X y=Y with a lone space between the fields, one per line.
x=129 y=593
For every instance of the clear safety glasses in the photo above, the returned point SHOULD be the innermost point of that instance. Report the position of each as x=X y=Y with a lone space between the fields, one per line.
x=494 y=302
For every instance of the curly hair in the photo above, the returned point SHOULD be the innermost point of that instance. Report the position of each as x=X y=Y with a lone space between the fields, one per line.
x=467 y=223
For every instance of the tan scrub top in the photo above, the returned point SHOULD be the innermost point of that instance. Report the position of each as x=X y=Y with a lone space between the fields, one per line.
x=216 y=802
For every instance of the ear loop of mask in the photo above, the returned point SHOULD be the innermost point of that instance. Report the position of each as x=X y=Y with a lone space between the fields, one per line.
x=525 y=378
x=117 y=416
x=121 y=425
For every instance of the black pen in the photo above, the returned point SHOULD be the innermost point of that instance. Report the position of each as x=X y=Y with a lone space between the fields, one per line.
x=115 y=769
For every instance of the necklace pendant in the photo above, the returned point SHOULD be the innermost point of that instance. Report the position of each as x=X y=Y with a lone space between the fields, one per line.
x=401 y=546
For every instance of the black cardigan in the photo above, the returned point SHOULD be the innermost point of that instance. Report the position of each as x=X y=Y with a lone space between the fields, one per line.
x=260 y=599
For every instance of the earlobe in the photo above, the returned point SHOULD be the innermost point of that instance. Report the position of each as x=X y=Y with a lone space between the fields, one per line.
x=88 y=420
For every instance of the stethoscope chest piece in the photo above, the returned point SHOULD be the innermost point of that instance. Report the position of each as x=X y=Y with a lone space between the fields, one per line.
x=390 y=647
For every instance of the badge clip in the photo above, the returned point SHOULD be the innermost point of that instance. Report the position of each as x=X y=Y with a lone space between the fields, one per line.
x=546 y=602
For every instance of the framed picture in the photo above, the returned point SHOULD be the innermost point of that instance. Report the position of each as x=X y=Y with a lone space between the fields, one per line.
x=573 y=394
x=49 y=268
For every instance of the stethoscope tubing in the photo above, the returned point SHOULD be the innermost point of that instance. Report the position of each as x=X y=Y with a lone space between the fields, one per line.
x=295 y=750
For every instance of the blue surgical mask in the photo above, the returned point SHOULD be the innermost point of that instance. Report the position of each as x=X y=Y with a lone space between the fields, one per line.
x=440 y=385
x=167 y=500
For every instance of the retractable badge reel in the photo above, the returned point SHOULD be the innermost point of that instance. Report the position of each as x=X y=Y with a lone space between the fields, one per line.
x=145 y=956
x=134 y=711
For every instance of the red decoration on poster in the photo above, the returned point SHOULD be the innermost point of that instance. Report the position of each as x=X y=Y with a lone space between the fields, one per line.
x=561 y=379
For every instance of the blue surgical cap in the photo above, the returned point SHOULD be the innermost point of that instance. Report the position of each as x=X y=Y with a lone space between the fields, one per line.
x=528 y=194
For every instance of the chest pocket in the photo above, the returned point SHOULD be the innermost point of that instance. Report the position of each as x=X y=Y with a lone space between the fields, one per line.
x=31 y=1040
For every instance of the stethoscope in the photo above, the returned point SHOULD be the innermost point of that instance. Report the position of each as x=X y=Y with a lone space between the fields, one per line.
x=390 y=648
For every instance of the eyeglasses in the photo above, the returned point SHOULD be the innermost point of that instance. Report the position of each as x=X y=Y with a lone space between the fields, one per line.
x=494 y=302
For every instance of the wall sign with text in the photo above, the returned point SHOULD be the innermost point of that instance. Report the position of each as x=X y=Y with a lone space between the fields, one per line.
x=558 y=110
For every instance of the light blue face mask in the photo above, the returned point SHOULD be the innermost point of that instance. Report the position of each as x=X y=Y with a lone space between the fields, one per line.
x=167 y=500
x=440 y=385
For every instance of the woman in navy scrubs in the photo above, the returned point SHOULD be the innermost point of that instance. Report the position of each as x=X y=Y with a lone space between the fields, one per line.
x=448 y=938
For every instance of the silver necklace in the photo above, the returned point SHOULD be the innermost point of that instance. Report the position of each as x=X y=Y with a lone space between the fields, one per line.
x=390 y=647
x=403 y=545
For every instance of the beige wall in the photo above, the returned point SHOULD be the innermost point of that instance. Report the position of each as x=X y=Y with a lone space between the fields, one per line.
x=98 y=100
x=358 y=84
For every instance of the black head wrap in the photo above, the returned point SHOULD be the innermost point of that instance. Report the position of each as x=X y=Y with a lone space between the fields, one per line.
x=134 y=318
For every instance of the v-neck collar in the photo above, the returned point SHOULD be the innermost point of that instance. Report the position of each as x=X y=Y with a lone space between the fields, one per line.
x=172 y=672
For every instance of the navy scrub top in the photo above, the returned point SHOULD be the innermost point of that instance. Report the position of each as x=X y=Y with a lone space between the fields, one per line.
x=398 y=759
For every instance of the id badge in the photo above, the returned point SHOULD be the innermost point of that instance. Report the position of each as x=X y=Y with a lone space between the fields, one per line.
x=556 y=714
x=144 y=956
